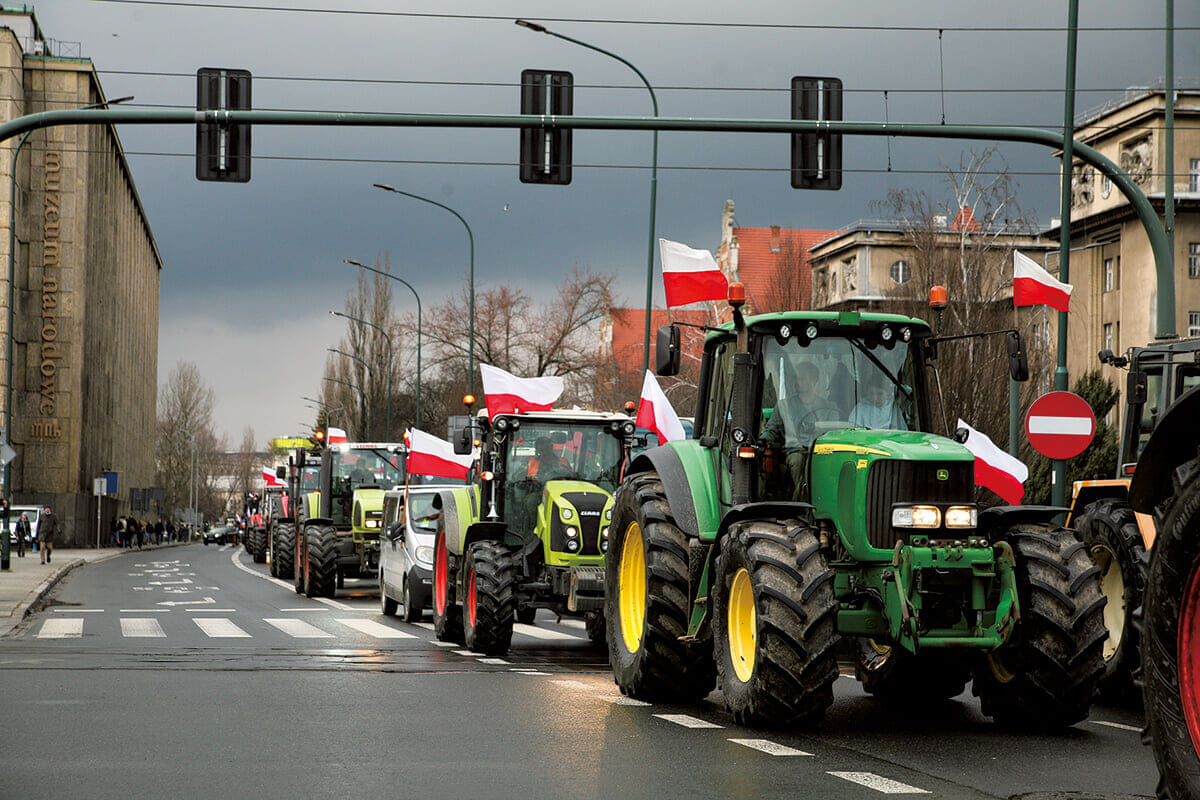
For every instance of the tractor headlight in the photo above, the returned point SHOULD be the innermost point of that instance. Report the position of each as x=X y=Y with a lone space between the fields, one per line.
x=628 y=428
x=608 y=513
x=604 y=539
x=567 y=513
x=916 y=517
x=572 y=545
x=371 y=523
x=424 y=556
x=571 y=532
x=962 y=517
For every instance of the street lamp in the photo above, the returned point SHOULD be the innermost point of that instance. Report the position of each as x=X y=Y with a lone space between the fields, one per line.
x=362 y=395
x=533 y=26
x=414 y=291
x=387 y=434
x=471 y=290
x=326 y=407
x=370 y=376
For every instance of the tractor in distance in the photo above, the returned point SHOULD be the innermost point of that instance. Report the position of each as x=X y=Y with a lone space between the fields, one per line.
x=300 y=477
x=1117 y=537
x=254 y=518
x=531 y=529
x=814 y=503
x=340 y=521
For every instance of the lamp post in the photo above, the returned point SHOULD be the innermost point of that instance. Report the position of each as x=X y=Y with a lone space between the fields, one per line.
x=326 y=407
x=533 y=26
x=387 y=379
x=12 y=246
x=414 y=291
x=370 y=376
x=471 y=287
x=362 y=395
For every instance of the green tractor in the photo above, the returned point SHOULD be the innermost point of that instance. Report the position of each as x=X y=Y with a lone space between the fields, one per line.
x=301 y=478
x=814 y=503
x=531 y=529
x=339 y=523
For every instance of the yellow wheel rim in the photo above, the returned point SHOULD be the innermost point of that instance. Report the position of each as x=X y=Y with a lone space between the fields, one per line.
x=631 y=588
x=1112 y=586
x=740 y=619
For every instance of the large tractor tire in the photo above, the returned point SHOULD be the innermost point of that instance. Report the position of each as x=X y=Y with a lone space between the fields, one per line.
x=1171 y=644
x=647 y=599
x=774 y=627
x=1046 y=675
x=447 y=615
x=896 y=676
x=300 y=560
x=283 y=556
x=1108 y=528
x=320 y=575
x=490 y=604
x=258 y=545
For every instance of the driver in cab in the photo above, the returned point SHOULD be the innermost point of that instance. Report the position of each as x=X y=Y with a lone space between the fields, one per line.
x=546 y=465
x=792 y=426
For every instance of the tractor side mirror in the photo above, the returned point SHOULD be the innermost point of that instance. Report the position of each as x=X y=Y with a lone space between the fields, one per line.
x=1018 y=365
x=281 y=472
x=666 y=351
x=1135 y=387
x=462 y=440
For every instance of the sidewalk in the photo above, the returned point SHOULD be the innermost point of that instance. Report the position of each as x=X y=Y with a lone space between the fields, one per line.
x=28 y=580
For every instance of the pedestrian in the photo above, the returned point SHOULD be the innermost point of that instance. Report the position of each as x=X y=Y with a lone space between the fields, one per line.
x=139 y=530
x=24 y=533
x=47 y=529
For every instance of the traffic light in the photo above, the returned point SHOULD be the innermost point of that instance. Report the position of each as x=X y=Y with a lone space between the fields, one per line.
x=222 y=150
x=546 y=152
x=817 y=157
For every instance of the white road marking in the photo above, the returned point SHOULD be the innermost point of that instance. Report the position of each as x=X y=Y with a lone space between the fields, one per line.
x=769 y=747
x=542 y=633
x=465 y=653
x=426 y=625
x=622 y=700
x=1116 y=725
x=878 y=783
x=523 y=671
x=298 y=629
x=687 y=721
x=306 y=608
x=373 y=628
x=61 y=628
x=79 y=611
x=444 y=644
x=334 y=604
x=573 y=684
x=237 y=562
x=141 y=628
x=220 y=628
x=212 y=610
x=145 y=610
x=497 y=661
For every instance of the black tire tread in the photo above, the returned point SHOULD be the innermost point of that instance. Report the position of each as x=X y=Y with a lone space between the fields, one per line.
x=321 y=541
x=282 y=549
x=495 y=598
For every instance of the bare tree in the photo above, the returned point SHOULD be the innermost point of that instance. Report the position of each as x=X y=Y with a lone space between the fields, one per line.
x=245 y=459
x=185 y=439
x=787 y=288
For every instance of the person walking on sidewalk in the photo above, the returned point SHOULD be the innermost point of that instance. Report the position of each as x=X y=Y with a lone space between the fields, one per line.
x=47 y=529
x=23 y=533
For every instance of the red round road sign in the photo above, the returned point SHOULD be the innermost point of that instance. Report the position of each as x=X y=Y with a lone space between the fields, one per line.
x=1060 y=425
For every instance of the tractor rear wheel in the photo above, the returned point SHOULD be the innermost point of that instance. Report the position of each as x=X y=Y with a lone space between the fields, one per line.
x=774 y=626
x=893 y=674
x=283 y=550
x=490 y=603
x=258 y=545
x=321 y=568
x=447 y=616
x=1046 y=674
x=1171 y=644
x=647 y=600
x=1109 y=529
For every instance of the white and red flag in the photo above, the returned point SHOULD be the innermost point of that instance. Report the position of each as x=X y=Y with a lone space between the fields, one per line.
x=429 y=455
x=994 y=468
x=656 y=413
x=1033 y=286
x=505 y=393
x=270 y=477
x=690 y=276
x=335 y=436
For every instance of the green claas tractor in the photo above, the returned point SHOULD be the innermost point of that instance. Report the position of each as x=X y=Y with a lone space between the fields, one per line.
x=814 y=503
x=531 y=529
x=340 y=522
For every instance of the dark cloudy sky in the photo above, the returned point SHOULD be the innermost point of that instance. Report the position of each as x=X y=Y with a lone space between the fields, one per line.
x=251 y=270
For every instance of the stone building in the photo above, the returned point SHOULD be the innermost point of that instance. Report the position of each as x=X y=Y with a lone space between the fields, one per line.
x=84 y=319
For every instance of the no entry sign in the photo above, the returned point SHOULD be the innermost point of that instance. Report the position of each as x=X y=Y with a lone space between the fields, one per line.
x=1060 y=425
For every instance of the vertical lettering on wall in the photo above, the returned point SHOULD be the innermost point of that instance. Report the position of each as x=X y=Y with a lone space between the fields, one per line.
x=52 y=353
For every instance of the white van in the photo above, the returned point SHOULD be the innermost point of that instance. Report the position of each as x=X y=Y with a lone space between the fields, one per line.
x=14 y=514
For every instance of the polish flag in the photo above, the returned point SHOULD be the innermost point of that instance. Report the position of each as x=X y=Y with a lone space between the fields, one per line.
x=994 y=468
x=429 y=455
x=1033 y=286
x=690 y=276
x=656 y=413
x=335 y=436
x=270 y=477
x=505 y=393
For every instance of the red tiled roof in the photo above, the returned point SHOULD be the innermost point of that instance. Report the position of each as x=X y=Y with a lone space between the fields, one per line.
x=629 y=331
x=758 y=265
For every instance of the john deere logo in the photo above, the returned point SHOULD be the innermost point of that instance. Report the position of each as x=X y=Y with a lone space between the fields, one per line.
x=943 y=474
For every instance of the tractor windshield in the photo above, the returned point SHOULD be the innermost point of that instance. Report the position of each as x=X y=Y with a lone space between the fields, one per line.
x=354 y=468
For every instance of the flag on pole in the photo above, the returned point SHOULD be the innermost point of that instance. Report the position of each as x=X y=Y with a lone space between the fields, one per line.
x=690 y=276
x=429 y=455
x=505 y=393
x=270 y=478
x=335 y=436
x=656 y=413
x=994 y=468
x=1033 y=286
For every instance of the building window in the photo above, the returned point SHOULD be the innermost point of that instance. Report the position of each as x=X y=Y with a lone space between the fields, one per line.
x=901 y=272
x=1194 y=175
x=1109 y=344
x=1110 y=274
x=1194 y=259
x=1194 y=323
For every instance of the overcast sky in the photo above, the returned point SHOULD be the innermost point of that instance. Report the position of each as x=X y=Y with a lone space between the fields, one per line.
x=251 y=270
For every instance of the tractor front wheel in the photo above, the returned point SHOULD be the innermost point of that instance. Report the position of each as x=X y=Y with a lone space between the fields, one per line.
x=1046 y=675
x=490 y=602
x=1171 y=644
x=647 y=599
x=321 y=568
x=447 y=616
x=775 y=624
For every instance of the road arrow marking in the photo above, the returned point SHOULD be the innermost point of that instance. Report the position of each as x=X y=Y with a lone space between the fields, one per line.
x=205 y=601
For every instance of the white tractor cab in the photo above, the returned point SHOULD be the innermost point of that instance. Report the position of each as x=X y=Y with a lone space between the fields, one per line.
x=14 y=514
x=406 y=550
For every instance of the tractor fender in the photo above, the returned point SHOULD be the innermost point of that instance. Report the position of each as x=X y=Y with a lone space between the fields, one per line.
x=772 y=510
x=1172 y=443
x=997 y=518
x=686 y=471
x=460 y=510
x=484 y=531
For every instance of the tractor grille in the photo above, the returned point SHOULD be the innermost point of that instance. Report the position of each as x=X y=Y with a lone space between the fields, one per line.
x=912 y=482
x=590 y=506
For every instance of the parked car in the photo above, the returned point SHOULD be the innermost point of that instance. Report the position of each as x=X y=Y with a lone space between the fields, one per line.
x=14 y=514
x=406 y=551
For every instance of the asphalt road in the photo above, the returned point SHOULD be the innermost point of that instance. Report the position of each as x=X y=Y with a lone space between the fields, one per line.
x=191 y=673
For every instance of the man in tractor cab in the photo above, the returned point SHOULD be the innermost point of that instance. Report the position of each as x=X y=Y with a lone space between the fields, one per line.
x=876 y=408
x=546 y=465
x=792 y=426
